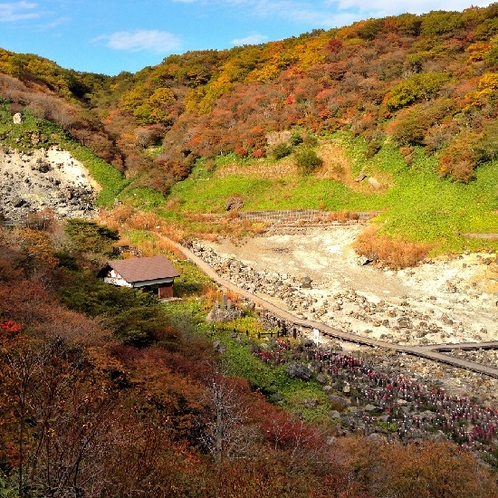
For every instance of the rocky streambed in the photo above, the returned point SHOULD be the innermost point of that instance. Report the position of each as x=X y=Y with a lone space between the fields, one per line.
x=315 y=276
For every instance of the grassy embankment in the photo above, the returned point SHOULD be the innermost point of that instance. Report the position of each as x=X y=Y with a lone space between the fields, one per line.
x=417 y=205
x=238 y=339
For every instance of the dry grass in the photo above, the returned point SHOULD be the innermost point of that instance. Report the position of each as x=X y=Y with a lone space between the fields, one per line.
x=230 y=225
x=172 y=231
x=166 y=245
x=393 y=253
x=125 y=218
x=343 y=216
x=211 y=295
x=263 y=169
x=336 y=165
x=163 y=235
x=156 y=245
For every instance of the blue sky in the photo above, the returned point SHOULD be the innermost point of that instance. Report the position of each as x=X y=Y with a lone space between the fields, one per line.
x=110 y=36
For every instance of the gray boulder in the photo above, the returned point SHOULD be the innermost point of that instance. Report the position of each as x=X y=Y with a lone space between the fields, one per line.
x=306 y=283
x=298 y=371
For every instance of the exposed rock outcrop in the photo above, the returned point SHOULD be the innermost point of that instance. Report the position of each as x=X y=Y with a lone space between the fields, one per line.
x=44 y=179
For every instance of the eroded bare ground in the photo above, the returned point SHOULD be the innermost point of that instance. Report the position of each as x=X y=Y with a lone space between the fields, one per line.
x=446 y=300
x=42 y=179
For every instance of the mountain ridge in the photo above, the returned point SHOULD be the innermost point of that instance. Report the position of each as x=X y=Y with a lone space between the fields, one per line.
x=417 y=91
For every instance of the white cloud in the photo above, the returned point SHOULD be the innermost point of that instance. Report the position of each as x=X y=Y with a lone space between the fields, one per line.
x=334 y=13
x=337 y=13
x=56 y=23
x=18 y=11
x=345 y=12
x=320 y=14
x=387 y=7
x=135 y=41
x=254 y=39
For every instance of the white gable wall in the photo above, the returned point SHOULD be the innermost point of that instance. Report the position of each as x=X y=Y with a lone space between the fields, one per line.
x=114 y=278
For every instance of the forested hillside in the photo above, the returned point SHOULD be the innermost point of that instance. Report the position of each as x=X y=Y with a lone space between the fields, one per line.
x=413 y=80
x=106 y=392
x=109 y=392
x=394 y=115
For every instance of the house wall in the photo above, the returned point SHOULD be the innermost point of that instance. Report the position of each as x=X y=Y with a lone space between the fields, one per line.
x=163 y=287
x=115 y=278
x=165 y=291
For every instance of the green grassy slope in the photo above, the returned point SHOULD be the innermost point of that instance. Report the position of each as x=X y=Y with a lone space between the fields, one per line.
x=416 y=203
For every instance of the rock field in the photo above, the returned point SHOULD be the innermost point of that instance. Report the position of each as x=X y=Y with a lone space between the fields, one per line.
x=315 y=274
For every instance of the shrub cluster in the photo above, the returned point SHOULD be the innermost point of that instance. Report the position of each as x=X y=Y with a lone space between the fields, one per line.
x=394 y=253
x=308 y=161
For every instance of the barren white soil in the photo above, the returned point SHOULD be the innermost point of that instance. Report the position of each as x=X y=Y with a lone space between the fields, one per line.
x=446 y=300
x=44 y=179
x=442 y=301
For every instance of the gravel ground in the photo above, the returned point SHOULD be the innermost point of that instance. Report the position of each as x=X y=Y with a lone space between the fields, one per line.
x=44 y=179
x=460 y=293
x=455 y=298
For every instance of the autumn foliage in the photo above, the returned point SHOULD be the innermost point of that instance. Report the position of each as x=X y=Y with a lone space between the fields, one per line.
x=104 y=394
x=85 y=412
x=390 y=252
x=428 y=80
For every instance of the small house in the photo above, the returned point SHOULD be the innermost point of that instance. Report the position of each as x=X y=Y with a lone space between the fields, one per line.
x=154 y=274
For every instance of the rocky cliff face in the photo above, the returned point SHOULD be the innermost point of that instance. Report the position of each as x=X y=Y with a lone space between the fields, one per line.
x=36 y=180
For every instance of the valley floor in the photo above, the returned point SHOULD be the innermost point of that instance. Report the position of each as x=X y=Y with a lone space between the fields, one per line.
x=442 y=301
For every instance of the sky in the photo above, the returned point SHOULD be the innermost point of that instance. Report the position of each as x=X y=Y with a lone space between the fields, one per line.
x=111 y=36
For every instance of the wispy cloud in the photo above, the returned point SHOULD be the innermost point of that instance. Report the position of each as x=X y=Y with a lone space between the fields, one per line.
x=254 y=39
x=334 y=13
x=319 y=13
x=380 y=7
x=18 y=11
x=138 y=40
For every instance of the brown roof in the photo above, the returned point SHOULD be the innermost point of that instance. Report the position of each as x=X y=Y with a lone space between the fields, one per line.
x=142 y=269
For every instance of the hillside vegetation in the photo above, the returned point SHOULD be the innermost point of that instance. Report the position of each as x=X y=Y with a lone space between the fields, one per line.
x=108 y=392
x=405 y=105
